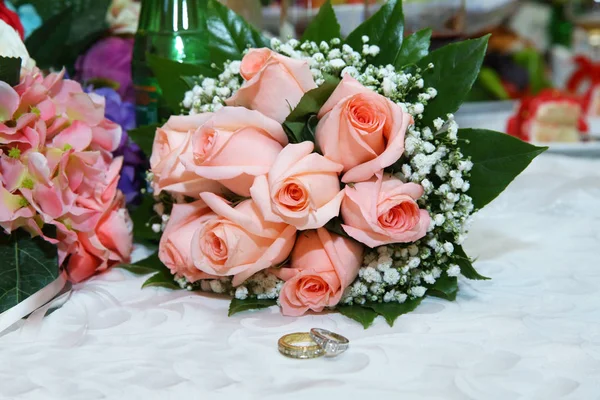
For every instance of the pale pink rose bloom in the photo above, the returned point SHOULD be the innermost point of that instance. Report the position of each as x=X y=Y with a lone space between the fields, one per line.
x=170 y=142
x=274 y=83
x=384 y=211
x=362 y=130
x=240 y=242
x=175 y=249
x=323 y=265
x=301 y=189
x=110 y=244
x=234 y=146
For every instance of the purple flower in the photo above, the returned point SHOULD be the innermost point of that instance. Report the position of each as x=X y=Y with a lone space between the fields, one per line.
x=108 y=59
x=117 y=110
x=134 y=161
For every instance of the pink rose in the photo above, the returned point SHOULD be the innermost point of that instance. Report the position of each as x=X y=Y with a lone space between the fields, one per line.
x=383 y=211
x=170 y=142
x=361 y=130
x=110 y=244
x=240 y=242
x=175 y=249
x=301 y=189
x=234 y=146
x=274 y=83
x=323 y=265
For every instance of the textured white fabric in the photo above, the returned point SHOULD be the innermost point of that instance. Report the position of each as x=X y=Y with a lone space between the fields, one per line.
x=533 y=332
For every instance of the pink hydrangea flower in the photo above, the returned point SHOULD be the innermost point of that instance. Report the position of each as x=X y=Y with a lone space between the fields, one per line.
x=56 y=168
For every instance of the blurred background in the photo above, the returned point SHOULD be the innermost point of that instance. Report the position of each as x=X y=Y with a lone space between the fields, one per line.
x=540 y=80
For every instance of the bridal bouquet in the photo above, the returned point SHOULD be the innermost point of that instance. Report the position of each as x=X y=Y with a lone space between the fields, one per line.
x=322 y=173
x=61 y=214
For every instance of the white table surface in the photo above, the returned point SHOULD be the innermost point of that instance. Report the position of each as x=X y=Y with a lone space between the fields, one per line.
x=533 y=332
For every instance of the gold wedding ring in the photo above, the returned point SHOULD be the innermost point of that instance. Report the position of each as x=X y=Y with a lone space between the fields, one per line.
x=299 y=345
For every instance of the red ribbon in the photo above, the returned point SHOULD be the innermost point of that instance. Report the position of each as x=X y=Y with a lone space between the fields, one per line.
x=587 y=71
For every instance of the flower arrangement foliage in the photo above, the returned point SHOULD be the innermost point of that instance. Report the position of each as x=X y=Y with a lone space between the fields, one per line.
x=320 y=173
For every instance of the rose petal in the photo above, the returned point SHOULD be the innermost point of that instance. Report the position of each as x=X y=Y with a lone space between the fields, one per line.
x=276 y=253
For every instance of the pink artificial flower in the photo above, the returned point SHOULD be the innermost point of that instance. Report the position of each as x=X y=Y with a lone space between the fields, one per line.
x=233 y=146
x=111 y=243
x=239 y=242
x=175 y=249
x=323 y=265
x=274 y=83
x=383 y=211
x=362 y=130
x=56 y=168
x=9 y=102
x=301 y=189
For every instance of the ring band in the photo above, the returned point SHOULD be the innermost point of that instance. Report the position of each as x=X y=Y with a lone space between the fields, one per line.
x=299 y=345
x=332 y=343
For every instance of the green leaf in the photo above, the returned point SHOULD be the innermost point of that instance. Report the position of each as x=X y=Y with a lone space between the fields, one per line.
x=324 y=26
x=466 y=266
x=497 y=159
x=300 y=124
x=168 y=73
x=191 y=81
x=491 y=82
x=143 y=136
x=391 y=311
x=77 y=47
x=46 y=43
x=162 y=275
x=162 y=279
x=414 y=48
x=143 y=216
x=384 y=29
x=146 y=266
x=445 y=287
x=28 y=265
x=230 y=34
x=137 y=269
x=335 y=226
x=456 y=67
x=238 y=305
x=10 y=70
x=361 y=314
x=91 y=14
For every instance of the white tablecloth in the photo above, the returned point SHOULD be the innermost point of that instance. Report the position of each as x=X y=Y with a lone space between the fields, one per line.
x=533 y=332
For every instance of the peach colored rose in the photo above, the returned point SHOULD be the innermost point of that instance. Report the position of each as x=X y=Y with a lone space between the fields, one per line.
x=301 y=189
x=110 y=244
x=383 y=211
x=323 y=265
x=361 y=130
x=175 y=249
x=240 y=242
x=274 y=83
x=234 y=146
x=170 y=142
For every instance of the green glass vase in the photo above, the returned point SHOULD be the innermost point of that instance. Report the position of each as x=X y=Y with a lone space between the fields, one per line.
x=172 y=29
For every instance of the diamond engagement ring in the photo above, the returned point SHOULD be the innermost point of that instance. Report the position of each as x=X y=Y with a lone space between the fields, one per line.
x=332 y=343
x=299 y=345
